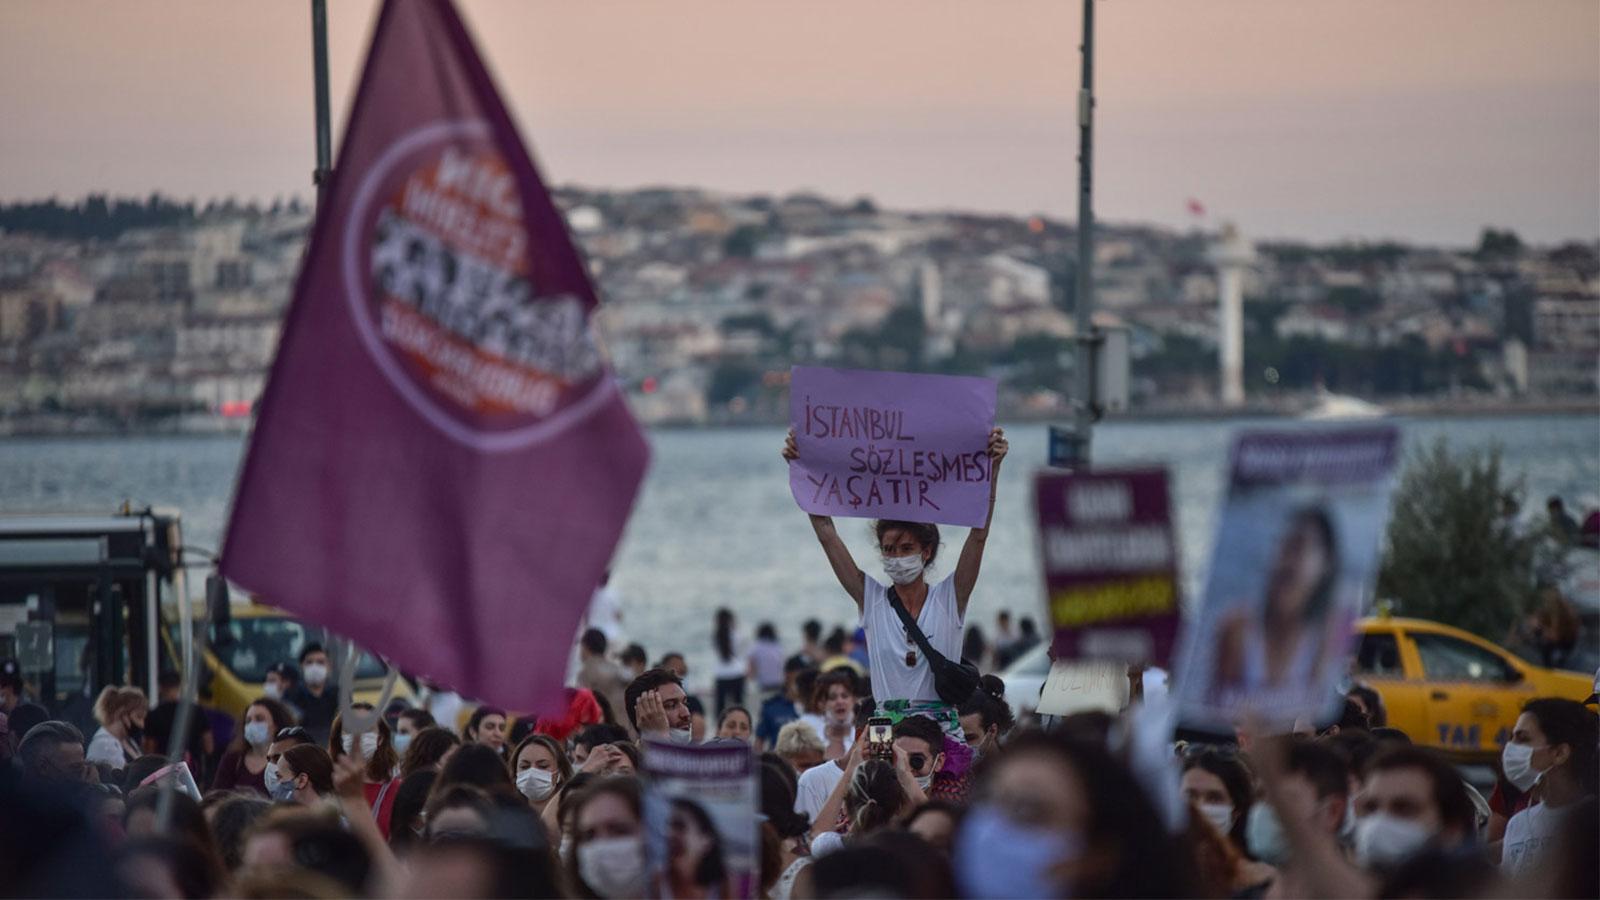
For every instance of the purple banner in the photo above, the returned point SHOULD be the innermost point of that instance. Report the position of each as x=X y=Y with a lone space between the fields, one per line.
x=694 y=789
x=1110 y=564
x=443 y=465
x=891 y=445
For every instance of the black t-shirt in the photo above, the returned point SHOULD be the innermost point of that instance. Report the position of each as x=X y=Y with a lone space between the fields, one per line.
x=316 y=713
x=158 y=726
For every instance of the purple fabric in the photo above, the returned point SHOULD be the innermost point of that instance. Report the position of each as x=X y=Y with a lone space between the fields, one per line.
x=442 y=466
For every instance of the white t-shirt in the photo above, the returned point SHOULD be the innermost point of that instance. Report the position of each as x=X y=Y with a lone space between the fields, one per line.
x=105 y=748
x=887 y=643
x=1529 y=835
x=815 y=787
x=737 y=667
x=820 y=726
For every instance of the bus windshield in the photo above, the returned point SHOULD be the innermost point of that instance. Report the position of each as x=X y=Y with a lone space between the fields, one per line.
x=259 y=641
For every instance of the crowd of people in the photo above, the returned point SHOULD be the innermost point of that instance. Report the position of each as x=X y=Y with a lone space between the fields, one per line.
x=885 y=768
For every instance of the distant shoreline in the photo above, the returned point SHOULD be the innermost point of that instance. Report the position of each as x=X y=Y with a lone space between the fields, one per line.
x=203 y=425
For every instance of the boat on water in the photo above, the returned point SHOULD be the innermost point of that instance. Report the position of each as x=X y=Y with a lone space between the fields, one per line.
x=1329 y=405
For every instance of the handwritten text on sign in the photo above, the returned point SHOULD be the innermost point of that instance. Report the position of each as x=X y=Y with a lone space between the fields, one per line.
x=891 y=445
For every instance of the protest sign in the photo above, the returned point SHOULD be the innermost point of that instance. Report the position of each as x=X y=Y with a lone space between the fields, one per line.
x=1295 y=563
x=1074 y=687
x=443 y=464
x=700 y=820
x=1110 y=565
x=891 y=445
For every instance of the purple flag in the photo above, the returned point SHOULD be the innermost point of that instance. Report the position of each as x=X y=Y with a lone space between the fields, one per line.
x=443 y=464
x=891 y=445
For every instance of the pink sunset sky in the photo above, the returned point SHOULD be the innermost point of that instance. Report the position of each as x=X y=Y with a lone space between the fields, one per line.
x=1317 y=119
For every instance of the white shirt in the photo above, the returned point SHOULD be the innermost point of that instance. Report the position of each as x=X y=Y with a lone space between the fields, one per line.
x=887 y=643
x=605 y=613
x=1530 y=835
x=815 y=787
x=736 y=667
x=820 y=726
x=105 y=748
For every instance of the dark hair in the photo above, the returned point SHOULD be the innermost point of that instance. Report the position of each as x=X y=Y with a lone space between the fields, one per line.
x=1449 y=791
x=805 y=684
x=196 y=873
x=988 y=702
x=282 y=717
x=1438 y=872
x=594 y=641
x=668 y=657
x=563 y=772
x=766 y=632
x=826 y=682
x=1124 y=827
x=1377 y=715
x=713 y=869
x=723 y=637
x=481 y=713
x=777 y=799
x=1386 y=735
x=381 y=764
x=319 y=844
x=419 y=717
x=188 y=821
x=314 y=763
x=455 y=796
x=923 y=729
x=942 y=807
x=634 y=653
x=651 y=680
x=168 y=679
x=427 y=748
x=1570 y=722
x=1236 y=780
x=723 y=717
x=924 y=533
x=525 y=724
x=141 y=768
x=812 y=630
x=1351 y=717
x=1322 y=765
x=309 y=649
x=874 y=797
x=596 y=735
x=1323 y=594
x=476 y=765
x=40 y=745
x=890 y=862
x=409 y=799
x=624 y=787
x=1357 y=745
x=834 y=643
x=973 y=646
x=1027 y=627
x=230 y=820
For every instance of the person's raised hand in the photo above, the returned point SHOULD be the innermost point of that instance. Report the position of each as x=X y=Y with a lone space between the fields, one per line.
x=791 y=450
x=600 y=759
x=349 y=774
x=652 y=715
x=998 y=445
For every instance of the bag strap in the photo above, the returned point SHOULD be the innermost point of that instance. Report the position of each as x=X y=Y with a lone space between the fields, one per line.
x=377 y=805
x=912 y=628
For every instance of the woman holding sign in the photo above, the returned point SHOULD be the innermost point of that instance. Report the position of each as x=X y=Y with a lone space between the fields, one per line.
x=904 y=682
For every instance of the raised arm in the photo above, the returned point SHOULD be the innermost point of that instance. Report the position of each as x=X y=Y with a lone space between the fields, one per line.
x=844 y=565
x=971 y=559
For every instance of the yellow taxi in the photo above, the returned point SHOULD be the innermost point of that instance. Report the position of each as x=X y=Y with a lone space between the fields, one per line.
x=1451 y=689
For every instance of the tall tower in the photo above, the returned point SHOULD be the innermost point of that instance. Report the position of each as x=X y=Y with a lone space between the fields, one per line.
x=1231 y=255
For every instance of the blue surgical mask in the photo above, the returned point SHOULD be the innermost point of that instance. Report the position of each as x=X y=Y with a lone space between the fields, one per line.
x=997 y=857
x=401 y=742
x=1265 y=836
x=283 y=791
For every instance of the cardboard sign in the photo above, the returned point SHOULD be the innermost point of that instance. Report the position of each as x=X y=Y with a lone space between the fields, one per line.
x=1295 y=563
x=891 y=445
x=1079 y=687
x=443 y=465
x=700 y=820
x=1110 y=564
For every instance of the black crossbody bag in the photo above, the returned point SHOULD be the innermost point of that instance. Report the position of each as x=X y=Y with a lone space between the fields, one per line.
x=954 y=682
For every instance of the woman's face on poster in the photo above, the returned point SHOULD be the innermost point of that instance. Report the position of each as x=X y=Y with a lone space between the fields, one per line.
x=1301 y=566
x=687 y=843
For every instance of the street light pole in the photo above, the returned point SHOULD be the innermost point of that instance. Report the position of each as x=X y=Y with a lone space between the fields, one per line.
x=319 y=56
x=1070 y=449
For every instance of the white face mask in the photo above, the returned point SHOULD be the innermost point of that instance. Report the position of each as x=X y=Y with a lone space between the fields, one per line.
x=1382 y=840
x=256 y=734
x=1516 y=760
x=369 y=743
x=924 y=782
x=903 y=569
x=401 y=743
x=681 y=736
x=269 y=777
x=536 y=784
x=1220 y=815
x=613 y=867
x=273 y=690
x=316 y=674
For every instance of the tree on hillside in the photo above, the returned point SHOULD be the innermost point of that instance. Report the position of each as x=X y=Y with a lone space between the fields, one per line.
x=1453 y=554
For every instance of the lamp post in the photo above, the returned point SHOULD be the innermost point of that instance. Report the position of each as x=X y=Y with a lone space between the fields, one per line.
x=319 y=67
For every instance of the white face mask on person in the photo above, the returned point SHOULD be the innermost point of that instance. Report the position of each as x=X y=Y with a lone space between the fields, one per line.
x=924 y=782
x=316 y=674
x=1263 y=833
x=1516 y=760
x=903 y=569
x=613 y=867
x=257 y=734
x=536 y=784
x=269 y=777
x=369 y=743
x=273 y=690
x=402 y=742
x=995 y=856
x=681 y=736
x=1220 y=815
x=1383 y=840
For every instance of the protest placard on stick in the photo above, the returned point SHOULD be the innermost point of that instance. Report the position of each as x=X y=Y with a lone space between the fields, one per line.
x=891 y=445
x=700 y=820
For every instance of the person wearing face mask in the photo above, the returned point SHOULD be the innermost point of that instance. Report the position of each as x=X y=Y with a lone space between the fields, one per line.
x=1411 y=800
x=407 y=725
x=658 y=707
x=833 y=701
x=120 y=712
x=379 y=781
x=280 y=680
x=305 y=776
x=276 y=787
x=1057 y=816
x=1309 y=784
x=919 y=753
x=607 y=857
x=902 y=680
x=540 y=768
x=243 y=766
x=986 y=717
x=315 y=697
x=1221 y=789
x=873 y=794
x=1551 y=757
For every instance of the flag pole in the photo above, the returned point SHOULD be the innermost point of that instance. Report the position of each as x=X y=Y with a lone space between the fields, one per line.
x=1070 y=448
x=319 y=56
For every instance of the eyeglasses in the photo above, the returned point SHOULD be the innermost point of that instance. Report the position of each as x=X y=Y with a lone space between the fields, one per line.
x=293 y=731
